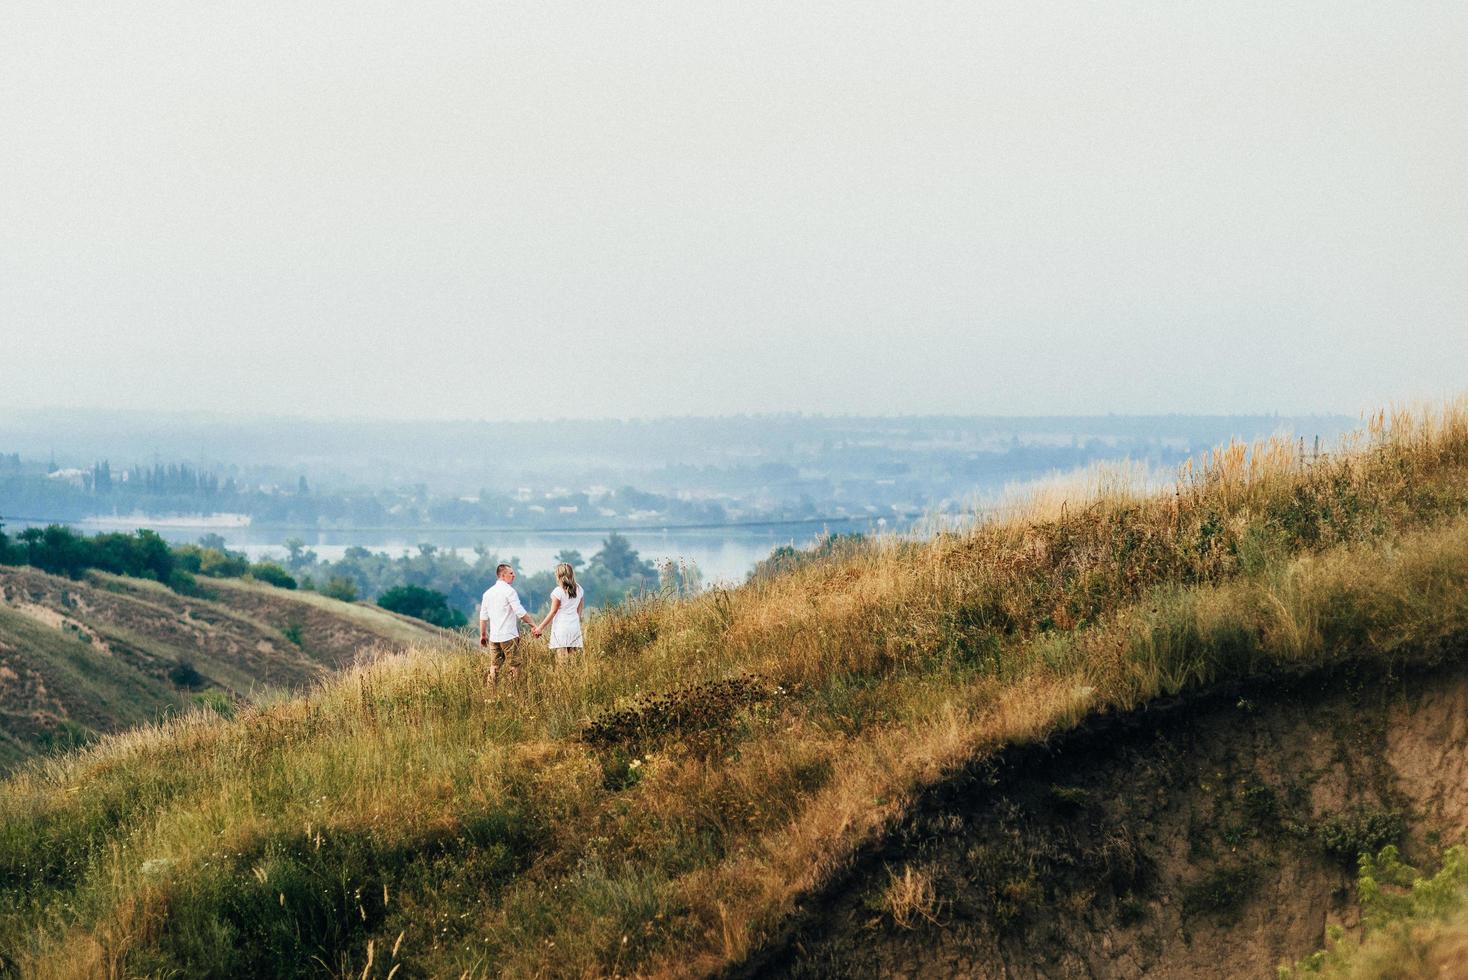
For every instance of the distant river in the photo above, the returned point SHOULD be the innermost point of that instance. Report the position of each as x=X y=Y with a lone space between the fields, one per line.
x=723 y=555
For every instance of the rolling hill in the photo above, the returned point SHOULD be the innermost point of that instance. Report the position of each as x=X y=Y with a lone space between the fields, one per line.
x=108 y=652
x=1115 y=734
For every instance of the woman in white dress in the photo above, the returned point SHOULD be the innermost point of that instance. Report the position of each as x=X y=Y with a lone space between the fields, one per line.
x=567 y=601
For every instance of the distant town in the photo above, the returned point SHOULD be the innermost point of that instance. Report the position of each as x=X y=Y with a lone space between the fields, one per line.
x=702 y=472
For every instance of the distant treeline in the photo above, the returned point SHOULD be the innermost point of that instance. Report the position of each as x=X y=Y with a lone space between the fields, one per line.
x=175 y=478
x=59 y=550
x=609 y=576
x=442 y=587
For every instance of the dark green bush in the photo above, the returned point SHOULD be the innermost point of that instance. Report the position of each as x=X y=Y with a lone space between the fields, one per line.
x=786 y=557
x=183 y=582
x=272 y=574
x=1348 y=834
x=420 y=603
x=183 y=674
x=61 y=551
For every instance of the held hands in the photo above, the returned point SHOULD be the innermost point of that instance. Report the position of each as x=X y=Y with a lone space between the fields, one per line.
x=535 y=631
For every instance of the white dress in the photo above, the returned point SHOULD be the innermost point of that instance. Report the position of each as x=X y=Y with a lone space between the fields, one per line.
x=565 y=629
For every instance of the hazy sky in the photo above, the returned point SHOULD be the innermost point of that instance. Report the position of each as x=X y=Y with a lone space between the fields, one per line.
x=585 y=208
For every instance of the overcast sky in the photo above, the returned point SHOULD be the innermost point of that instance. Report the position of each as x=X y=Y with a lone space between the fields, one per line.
x=584 y=208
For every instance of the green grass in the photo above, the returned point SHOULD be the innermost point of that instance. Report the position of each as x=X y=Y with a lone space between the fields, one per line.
x=56 y=678
x=646 y=811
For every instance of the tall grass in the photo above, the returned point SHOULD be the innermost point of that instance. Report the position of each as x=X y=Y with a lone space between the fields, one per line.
x=640 y=811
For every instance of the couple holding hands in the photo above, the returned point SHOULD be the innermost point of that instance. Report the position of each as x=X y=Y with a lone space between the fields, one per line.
x=500 y=613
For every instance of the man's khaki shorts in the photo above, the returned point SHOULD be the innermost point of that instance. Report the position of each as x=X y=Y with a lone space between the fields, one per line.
x=503 y=653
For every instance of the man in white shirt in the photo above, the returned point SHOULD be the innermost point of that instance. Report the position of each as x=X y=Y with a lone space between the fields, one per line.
x=499 y=615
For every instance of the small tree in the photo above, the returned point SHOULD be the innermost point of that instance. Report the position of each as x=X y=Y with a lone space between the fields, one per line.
x=340 y=587
x=619 y=559
x=153 y=556
x=298 y=556
x=222 y=564
x=57 y=549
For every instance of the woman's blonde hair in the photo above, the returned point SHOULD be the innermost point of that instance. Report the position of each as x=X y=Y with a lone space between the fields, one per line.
x=566 y=576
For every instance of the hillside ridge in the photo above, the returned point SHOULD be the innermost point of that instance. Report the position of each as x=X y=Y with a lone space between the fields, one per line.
x=99 y=654
x=663 y=806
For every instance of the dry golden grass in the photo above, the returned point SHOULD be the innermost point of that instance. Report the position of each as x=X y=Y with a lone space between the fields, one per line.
x=910 y=899
x=405 y=798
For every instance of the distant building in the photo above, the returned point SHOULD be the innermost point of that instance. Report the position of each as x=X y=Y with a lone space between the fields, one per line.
x=75 y=477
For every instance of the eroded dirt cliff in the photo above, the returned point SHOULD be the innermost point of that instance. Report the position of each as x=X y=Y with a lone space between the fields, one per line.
x=1210 y=838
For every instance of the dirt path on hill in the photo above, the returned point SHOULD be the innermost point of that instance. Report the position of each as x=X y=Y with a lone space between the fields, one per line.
x=1213 y=838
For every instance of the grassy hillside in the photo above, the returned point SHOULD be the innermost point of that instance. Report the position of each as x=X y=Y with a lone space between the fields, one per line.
x=106 y=653
x=661 y=807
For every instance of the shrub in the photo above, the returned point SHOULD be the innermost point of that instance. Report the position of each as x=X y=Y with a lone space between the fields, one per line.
x=340 y=587
x=1362 y=830
x=1403 y=913
x=272 y=574
x=143 y=554
x=212 y=562
x=692 y=710
x=183 y=582
x=420 y=603
x=183 y=674
x=65 y=736
x=61 y=551
x=216 y=701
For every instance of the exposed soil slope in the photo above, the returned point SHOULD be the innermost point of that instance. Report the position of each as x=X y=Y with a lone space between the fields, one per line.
x=1210 y=838
x=108 y=652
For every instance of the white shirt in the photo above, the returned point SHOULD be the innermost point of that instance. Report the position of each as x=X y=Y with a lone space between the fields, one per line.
x=501 y=609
